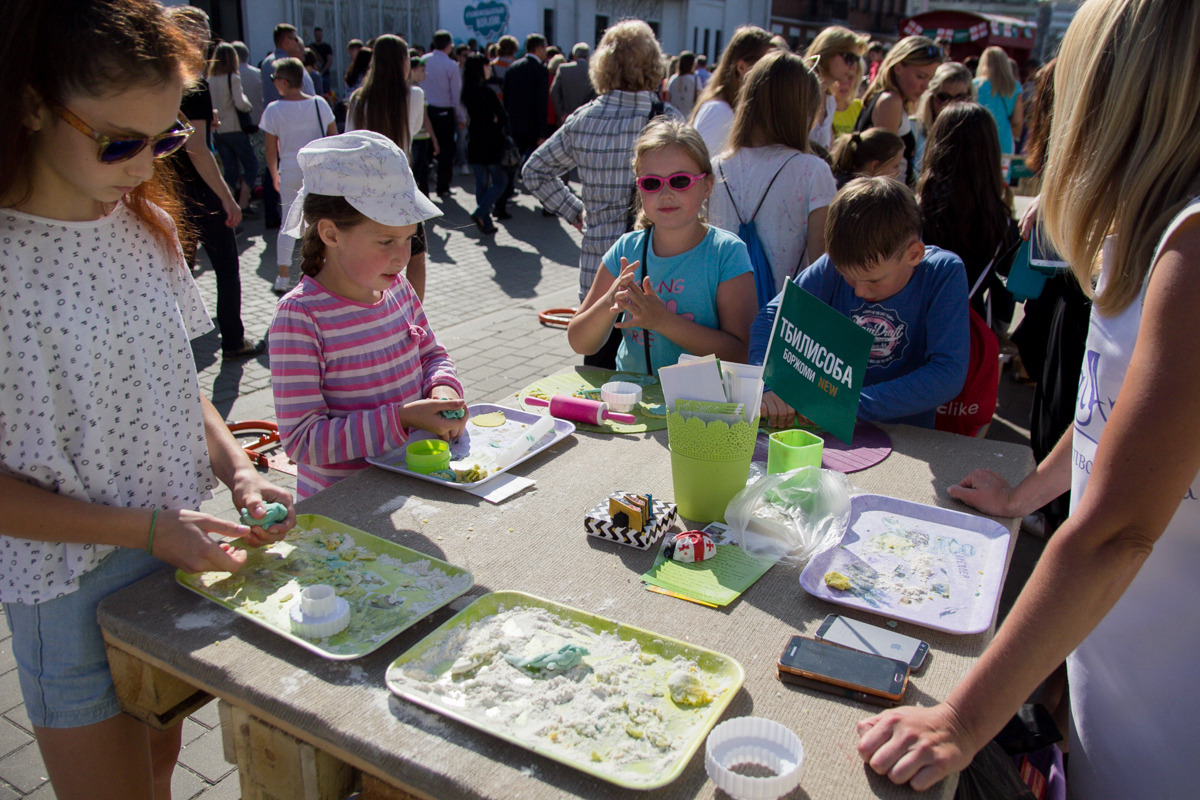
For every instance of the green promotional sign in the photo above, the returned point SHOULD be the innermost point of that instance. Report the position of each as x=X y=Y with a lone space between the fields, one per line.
x=816 y=361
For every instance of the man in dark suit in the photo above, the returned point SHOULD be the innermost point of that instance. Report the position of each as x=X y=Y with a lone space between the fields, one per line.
x=527 y=101
x=572 y=87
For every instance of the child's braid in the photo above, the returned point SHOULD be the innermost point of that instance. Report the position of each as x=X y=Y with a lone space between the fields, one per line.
x=312 y=252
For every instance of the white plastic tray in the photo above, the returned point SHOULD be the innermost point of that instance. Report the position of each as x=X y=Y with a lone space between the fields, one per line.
x=931 y=566
x=477 y=439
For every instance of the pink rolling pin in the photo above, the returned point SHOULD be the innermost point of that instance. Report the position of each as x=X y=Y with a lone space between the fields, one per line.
x=579 y=409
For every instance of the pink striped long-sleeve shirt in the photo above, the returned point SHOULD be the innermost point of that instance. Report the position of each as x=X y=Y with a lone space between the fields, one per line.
x=340 y=371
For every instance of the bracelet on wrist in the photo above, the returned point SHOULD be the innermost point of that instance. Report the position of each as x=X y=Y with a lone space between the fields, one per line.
x=150 y=539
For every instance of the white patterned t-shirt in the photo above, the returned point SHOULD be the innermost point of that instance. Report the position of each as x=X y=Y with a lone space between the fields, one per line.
x=99 y=398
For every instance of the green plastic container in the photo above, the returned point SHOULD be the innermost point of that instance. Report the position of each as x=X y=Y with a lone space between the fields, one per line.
x=709 y=464
x=427 y=455
x=789 y=450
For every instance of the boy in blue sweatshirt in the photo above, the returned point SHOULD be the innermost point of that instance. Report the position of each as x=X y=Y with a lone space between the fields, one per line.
x=913 y=298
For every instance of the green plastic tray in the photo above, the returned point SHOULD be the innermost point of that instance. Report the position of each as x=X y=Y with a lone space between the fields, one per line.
x=723 y=667
x=373 y=619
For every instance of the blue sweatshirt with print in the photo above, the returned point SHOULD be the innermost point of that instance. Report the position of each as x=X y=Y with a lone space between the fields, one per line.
x=922 y=336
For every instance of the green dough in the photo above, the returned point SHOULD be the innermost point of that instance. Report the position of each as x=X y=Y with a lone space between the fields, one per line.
x=276 y=512
x=659 y=410
x=559 y=660
x=454 y=413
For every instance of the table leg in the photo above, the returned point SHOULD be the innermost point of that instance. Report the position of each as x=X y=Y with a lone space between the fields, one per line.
x=375 y=789
x=273 y=765
x=155 y=697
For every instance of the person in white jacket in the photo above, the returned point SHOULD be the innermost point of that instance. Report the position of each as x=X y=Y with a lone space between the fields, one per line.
x=232 y=142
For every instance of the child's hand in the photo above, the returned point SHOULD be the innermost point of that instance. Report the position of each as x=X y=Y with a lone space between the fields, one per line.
x=623 y=281
x=251 y=491
x=775 y=412
x=426 y=415
x=443 y=392
x=642 y=305
x=181 y=538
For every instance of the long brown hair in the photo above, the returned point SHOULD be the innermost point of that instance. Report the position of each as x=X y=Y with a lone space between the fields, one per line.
x=381 y=103
x=961 y=190
x=101 y=47
x=1041 y=112
x=749 y=44
x=777 y=104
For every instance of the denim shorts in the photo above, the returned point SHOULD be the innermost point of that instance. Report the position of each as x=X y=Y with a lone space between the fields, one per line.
x=61 y=663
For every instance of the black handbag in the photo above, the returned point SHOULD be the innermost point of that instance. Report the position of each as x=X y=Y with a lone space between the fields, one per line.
x=245 y=121
x=510 y=158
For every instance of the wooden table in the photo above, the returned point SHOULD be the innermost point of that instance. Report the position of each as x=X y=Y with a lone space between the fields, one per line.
x=169 y=642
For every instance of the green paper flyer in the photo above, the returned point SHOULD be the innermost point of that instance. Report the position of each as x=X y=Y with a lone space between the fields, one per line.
x=716 y=581
x=816 y=361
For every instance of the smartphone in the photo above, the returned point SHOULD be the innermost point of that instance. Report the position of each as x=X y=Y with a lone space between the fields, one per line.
x=839 y=670
x=872 y=639
x=1042 y=256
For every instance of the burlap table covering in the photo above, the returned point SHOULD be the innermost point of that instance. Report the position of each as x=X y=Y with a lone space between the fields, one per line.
x=535 y=542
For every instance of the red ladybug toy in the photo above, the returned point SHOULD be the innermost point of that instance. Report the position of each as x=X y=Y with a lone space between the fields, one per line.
x=690 y=546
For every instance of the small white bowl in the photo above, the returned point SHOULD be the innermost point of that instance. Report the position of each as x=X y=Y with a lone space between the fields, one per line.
x=753 y=740
x=620 y=395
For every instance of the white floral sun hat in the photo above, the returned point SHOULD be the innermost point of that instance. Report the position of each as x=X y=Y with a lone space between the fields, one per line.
x=366 y=168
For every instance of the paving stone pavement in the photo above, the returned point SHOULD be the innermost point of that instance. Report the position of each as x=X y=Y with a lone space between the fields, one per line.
x=482 y=298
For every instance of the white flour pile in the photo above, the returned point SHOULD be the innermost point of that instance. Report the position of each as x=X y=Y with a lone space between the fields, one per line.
x=612 y=711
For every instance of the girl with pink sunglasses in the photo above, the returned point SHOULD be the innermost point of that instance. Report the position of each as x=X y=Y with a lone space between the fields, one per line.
x=675 y=284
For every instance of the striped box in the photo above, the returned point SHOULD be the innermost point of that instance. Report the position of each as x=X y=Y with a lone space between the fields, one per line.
x=598 y=523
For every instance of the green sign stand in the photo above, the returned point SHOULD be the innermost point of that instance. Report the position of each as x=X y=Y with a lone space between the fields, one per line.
x=816 y=361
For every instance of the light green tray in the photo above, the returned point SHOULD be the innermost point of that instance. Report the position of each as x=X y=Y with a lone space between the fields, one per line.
x=632 y=776
x=256 y=592
x=570 y=382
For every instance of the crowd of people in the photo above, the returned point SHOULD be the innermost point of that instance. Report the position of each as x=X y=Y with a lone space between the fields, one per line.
x=874 y=177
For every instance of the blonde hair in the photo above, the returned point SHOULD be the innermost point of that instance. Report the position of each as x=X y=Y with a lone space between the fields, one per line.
x=997 y=69
x=749 y=44
x=628 y=58
x=777 y=104
x=949 y=72
x=914 y=50
x=665 y=132
x=1104 y=175
x=833 y=41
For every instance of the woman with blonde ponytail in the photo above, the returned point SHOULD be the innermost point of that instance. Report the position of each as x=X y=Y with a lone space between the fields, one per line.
x=1115 y=592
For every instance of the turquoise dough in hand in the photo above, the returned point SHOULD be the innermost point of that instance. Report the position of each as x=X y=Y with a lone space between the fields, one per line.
x=276 y=512
x=454 y=413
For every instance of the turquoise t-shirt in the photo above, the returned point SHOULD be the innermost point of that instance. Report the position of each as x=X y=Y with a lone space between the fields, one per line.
x=686 y=283
x=1001 y=109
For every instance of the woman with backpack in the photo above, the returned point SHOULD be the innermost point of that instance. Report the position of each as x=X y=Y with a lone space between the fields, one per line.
x=769 y=177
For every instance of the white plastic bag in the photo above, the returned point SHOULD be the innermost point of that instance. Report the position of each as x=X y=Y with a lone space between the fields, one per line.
x=791 y=516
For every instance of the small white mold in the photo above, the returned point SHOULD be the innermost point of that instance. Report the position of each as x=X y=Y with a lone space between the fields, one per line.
x=319 y=613
x=621 y=396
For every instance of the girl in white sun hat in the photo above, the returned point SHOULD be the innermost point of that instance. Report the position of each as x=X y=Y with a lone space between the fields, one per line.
x=355 y=367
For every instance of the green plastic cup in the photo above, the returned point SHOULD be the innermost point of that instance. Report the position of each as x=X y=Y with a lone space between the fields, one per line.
x=703 y=488
x=792 y=449
x=427 y=455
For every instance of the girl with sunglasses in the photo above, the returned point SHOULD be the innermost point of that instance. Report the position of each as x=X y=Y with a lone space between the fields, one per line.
x=836 y=56
x=675 y=284
x=108 y=443
x=893 y=94
x=951 y=83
